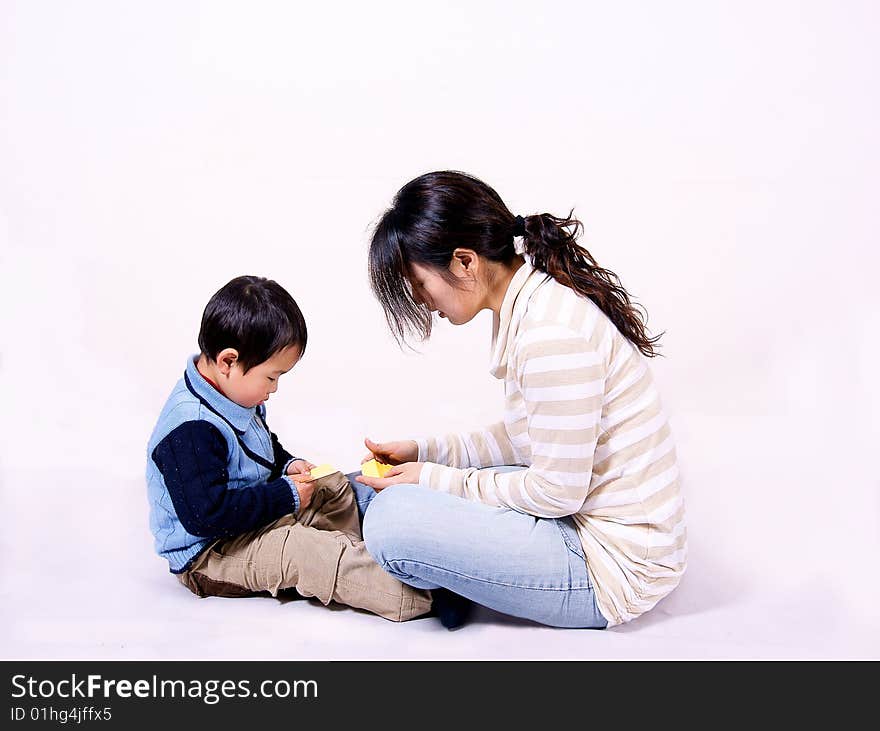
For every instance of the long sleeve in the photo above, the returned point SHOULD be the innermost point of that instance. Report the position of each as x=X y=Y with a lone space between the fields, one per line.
x=559 y=379
x=281 y=458
x=489 y=447
x=192 y=459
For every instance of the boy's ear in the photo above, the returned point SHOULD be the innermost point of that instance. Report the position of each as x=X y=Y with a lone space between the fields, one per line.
x=226 y=359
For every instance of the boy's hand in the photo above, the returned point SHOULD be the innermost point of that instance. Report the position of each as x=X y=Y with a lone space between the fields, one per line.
x=407 y=473
x=300 y=467
x=392 y=452
x=305 y=486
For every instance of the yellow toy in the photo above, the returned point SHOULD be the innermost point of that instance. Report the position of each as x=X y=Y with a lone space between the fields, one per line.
x=374 y=468
x=370 y=469
x=322 y=470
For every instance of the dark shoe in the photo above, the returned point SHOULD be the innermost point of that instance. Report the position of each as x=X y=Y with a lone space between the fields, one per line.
x=450 y=608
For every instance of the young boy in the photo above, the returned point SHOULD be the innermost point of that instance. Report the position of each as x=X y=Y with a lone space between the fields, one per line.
x=231 y=510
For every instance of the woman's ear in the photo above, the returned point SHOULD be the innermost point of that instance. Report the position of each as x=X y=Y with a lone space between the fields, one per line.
x=226 y=360
x=465 y=263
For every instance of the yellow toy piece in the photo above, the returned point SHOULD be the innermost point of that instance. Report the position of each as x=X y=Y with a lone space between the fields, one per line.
x=374 y=468
x=322 y=470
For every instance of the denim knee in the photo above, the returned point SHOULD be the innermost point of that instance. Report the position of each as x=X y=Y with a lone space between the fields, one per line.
x=386 y=526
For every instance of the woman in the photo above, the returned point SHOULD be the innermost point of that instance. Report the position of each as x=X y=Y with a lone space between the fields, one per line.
x=568 y=511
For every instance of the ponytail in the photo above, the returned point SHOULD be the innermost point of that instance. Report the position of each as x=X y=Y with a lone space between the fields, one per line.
x=437 y=212
x=551 y=244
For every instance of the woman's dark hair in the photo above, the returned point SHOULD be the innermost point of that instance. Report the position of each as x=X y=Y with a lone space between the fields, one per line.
x=439 y=212
x=254 y=315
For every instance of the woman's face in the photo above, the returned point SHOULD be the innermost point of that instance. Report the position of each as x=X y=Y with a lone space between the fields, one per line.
x=456 y=303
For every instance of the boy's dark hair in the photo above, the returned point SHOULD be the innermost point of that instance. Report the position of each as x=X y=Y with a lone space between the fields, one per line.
x=254 y=315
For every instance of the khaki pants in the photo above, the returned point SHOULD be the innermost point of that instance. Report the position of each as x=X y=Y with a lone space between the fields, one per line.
x=321 y=554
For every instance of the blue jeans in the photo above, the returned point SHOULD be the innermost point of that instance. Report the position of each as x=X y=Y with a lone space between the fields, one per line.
x=362 y=495
x=513 y=563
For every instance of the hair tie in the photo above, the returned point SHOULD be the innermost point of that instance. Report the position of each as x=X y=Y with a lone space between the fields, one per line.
x=519 y=226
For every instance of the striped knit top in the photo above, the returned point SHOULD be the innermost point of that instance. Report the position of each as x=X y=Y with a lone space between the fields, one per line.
x=583 y=415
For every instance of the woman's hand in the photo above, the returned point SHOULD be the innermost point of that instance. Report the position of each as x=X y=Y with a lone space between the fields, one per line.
x=300 y=467
x=392 y=452
x=407 y=473
x=305 y=486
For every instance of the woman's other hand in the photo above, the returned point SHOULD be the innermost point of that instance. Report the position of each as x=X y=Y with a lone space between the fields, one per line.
x=407 y=473
x=391 y=452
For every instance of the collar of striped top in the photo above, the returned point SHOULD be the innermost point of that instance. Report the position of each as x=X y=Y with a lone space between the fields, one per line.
x=505 y=324
x=238 y=417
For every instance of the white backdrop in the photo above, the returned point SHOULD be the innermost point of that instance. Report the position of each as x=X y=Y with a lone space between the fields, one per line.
x=723 y=157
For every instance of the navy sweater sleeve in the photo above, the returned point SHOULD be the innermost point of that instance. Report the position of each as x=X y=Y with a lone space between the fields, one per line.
x=192 y=460
x=280 y=456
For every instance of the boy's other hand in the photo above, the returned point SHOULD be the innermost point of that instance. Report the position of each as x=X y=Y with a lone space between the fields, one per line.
x=391 y=452
x=300 y=467
x=305 y=486
x=407 y=473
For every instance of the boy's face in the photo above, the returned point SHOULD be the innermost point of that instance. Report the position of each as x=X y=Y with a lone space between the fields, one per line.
x=254 y=387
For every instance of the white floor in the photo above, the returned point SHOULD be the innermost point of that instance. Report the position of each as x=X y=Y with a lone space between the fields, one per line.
x=79 y=580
